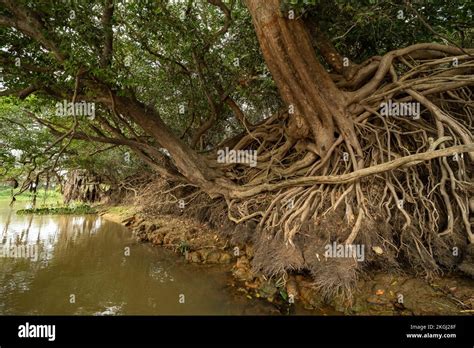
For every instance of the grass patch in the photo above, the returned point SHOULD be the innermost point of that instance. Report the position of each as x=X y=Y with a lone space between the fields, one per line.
x=76 y=210
x=121 y=209
x=47 y=203
x=42 y=197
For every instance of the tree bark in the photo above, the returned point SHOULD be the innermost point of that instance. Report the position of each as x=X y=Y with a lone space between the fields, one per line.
x=190 y=164
x=301 y=79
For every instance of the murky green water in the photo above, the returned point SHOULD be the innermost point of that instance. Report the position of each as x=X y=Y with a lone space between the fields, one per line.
x=78 y=265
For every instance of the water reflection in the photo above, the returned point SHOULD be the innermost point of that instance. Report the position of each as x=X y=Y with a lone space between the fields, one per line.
x=82 y=268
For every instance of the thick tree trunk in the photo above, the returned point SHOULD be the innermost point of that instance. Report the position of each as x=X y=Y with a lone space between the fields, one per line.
x=190 y=164
x=302 y=80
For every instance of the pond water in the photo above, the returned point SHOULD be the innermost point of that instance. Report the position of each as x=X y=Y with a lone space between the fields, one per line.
x=64 y=265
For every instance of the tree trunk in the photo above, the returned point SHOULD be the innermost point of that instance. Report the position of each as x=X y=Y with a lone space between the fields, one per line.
x=190 y=164
x=301 y=79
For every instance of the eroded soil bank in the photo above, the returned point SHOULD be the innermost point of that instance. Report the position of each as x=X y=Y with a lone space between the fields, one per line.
x=377 y=293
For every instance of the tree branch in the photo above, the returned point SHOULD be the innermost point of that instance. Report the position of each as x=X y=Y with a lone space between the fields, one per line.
x=28 y=23
x=227 y=21
x=107 y=28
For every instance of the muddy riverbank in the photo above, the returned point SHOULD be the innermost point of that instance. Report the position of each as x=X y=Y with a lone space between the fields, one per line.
x=377 y=293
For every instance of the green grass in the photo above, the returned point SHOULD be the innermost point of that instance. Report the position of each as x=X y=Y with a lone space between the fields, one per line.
x=43 y=197
x=76 y=210
x=47 y=203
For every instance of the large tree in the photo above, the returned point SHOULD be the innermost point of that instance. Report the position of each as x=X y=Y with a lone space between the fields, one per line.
x=303 y=85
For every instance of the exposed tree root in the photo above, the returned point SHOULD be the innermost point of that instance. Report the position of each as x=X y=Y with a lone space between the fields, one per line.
x=403 y=192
